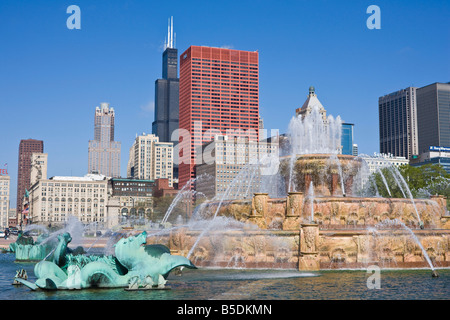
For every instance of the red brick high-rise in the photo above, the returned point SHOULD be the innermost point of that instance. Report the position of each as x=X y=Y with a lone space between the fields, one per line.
x=26 y=148
x=218 y=95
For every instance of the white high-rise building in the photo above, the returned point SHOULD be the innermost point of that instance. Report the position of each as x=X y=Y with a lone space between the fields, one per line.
x=4 y=200
x=151 y=159
x=104 y=152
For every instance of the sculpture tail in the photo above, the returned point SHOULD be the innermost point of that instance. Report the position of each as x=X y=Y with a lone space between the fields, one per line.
x=30 y=285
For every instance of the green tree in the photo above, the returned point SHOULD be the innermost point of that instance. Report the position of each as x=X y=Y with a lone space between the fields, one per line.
x=421 y=181
x=423 y=176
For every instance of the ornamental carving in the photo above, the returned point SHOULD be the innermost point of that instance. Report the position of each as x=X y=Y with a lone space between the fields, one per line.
x=309 y=239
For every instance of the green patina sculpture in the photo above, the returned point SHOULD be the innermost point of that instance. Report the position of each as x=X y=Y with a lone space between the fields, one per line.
x=26 y=249
x=133 y=260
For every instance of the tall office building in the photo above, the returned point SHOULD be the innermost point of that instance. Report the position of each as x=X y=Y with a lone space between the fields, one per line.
x=433 y=114
x=398 y=123
x=26 y=149
x=104 y=152
x=151 y=159
x=218 y=95
x=167 y=92
x=347 y=138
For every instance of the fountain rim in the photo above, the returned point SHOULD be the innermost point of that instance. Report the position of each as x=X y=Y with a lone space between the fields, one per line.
x=322 y=156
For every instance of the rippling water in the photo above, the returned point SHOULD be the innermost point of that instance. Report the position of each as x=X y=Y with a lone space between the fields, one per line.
x=237 y=284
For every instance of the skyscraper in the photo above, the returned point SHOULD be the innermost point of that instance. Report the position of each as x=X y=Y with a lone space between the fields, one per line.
x=218 y=95
x=398 y=123
x=347 y=138
x=104 y=152
x=26 y=149
x=433 y=114
x=167 y=93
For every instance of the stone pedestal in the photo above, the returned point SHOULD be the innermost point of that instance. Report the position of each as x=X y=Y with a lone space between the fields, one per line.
x=309 y=247
x=294 y=202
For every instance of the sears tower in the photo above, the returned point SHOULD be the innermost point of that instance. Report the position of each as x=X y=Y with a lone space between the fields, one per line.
x=167 y=94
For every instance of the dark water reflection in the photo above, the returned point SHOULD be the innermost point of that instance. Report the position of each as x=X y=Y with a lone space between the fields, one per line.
x=234 y=284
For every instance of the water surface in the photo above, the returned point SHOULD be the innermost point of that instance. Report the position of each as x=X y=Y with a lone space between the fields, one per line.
x=239 y=284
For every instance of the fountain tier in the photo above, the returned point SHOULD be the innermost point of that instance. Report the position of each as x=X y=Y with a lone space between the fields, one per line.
x=331 y=174
x=277 y=233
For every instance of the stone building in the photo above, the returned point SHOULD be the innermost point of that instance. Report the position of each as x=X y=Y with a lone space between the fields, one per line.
x=133 y=198
x=53 y=201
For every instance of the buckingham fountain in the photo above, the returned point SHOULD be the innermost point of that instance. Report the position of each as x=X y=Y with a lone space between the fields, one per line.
x=316 y=209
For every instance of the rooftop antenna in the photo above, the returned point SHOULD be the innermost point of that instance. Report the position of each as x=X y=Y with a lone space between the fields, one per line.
x=169 y=43
x=171 y=32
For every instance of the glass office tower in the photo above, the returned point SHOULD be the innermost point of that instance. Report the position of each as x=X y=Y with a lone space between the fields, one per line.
x=347 y=138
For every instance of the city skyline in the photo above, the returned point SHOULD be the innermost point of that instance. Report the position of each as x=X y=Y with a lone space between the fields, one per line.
x=52 y=73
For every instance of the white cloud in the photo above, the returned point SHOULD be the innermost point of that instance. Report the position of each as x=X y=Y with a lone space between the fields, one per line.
x=148 y=108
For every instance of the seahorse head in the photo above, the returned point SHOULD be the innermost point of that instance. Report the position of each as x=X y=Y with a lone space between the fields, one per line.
x=129 y=251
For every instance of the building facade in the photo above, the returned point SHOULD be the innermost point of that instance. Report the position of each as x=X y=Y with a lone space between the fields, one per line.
x=355 y=150
x=26 y=149
x=38 y=167
x=104 y=152
x=134 y=197
x=12 y=218
x=150 y=159
x=347 y=138
x=225 y=158
x=218 y=95
x=433 y=113
x=398 y=123
x=53 y=201
x=434 y=155
x=5 y=186
x=379 y=161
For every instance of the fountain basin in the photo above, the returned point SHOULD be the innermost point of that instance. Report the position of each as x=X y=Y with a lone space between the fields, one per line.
x=277 y=233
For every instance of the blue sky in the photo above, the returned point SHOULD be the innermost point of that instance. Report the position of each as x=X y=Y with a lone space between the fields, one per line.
x=52 y=78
